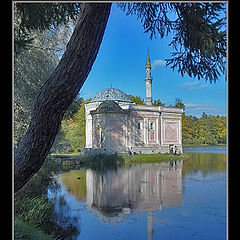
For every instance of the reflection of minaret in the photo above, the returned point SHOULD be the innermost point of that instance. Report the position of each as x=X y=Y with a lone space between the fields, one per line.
x=148 y=80
x=150 y=225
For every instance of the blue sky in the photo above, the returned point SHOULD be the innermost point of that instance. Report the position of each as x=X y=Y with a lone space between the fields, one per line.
x=121 y=64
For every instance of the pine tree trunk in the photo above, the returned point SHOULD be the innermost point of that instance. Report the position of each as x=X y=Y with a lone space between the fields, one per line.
x=60 y=90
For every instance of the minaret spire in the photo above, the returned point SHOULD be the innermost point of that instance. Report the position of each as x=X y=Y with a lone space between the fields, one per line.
x=148 y=80
x=148 y=64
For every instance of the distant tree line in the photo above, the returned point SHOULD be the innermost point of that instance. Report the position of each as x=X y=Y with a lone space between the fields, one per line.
x=208 y=129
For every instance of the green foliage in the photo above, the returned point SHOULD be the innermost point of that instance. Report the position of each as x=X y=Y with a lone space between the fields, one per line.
x=152 y=158
x=153 y=17
x=136 y=99
x=103 y=161
x=158 y=103
x=39 y=17
x=36 y=210
x=32 y=211
x=26 y=230
x=74 y=107
x=76 y=130
x=97 y=161
x=71 y=136
x=179 y=104
x=140 y=101
x=204 y=130
x=32 y=67
x=200 y=40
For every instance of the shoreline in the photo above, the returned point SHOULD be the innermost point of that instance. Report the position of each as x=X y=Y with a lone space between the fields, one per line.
x=113 y=159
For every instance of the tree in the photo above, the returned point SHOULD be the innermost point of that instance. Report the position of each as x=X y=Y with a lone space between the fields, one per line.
x=221 y=126
x=59 y=91
x=137 y=100
x=140 y=101
x=74 y=129
x=158 y=103
x=29 y=18
x=187 y=129
x=29 y=76
x=74 y=107
x=199 y=40
x=71 y=135
x=205 y=130
x=200 y=50
x=179 y=104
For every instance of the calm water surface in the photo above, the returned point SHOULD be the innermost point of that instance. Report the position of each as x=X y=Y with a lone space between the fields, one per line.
x=169 y=200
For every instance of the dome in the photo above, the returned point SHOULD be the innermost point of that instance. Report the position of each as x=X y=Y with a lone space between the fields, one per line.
x=111 y=94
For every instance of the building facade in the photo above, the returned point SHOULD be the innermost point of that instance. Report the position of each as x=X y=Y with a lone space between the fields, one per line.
x=115 y=124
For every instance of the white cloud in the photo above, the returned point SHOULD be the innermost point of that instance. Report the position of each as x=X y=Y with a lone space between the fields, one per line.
x=202 y=86
x=189 y=84
x=158 y=63
x=194 y=85
x=85 y=95
x=197 y=109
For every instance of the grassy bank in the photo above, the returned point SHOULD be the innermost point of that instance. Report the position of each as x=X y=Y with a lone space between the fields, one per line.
x=25 y=230
x=151 y=158
x=115 y=159
x=30 y=217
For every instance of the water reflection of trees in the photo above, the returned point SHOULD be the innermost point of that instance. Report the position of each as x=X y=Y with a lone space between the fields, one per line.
x=76 y=187
x=206 y=163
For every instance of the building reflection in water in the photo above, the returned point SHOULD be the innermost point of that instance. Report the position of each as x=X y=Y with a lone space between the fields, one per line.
x=116 y=193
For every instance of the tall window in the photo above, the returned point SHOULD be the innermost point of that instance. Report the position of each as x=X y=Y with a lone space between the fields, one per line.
x=98 y=136
x=139 y=132
x=152 y=130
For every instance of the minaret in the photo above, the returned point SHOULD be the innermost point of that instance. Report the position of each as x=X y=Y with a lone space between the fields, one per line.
x=148 y=80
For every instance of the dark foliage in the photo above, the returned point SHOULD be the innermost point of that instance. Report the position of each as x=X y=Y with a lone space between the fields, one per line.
x=199 y=34
x=39 y=16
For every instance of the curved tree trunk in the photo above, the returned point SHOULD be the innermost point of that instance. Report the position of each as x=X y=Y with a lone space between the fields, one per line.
x=60 y=90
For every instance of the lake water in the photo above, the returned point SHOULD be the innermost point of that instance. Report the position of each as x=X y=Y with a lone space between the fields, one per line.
x=208 y=149
x=168 y=200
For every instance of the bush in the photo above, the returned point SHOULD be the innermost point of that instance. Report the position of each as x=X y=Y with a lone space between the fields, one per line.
x=35 y=210
x=24 y=230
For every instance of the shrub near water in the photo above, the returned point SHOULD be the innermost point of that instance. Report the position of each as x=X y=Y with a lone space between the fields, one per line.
x=23 y=230
x=113 y=160
x=35 y=210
